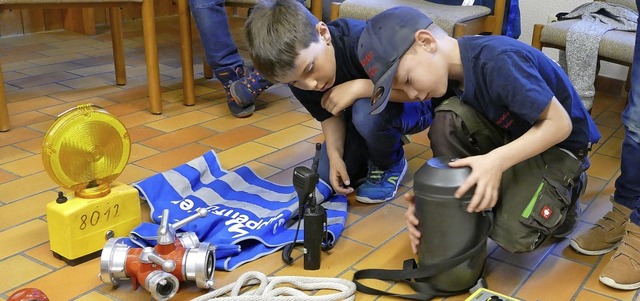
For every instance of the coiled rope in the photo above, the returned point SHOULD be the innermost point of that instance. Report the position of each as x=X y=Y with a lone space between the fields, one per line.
x=268 y=289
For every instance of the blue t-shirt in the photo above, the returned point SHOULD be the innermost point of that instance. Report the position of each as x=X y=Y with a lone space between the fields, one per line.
x=345 y=34
x=511 y=83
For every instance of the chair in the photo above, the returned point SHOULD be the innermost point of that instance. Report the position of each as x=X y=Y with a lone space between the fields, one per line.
x=455 y=20
x=615 y=46
x=186 y=52
x=150 y=46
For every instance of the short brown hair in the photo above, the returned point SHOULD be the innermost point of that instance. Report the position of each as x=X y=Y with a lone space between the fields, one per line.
x=276 y=31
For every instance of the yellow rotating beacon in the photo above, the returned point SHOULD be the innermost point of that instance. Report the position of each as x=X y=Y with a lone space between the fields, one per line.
x=84 y=151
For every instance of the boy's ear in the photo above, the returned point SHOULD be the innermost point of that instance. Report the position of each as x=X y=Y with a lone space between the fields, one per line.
x=324 y=33
x=426 y=40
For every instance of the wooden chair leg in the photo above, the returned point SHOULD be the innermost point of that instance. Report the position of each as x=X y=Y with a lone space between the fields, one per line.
x=151 y=56
x=4 y=112
x=115 y=17
x=537 y=35
x=186 y=53
x=206 y=69
x=627 y=83
x=316 y=8
x=335 y=10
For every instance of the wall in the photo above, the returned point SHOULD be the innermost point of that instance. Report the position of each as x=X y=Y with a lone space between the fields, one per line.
x=543 y=11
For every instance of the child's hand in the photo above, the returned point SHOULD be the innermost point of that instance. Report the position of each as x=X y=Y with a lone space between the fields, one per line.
x=412 y=222
x=339 y=177
x=340 y=97
x=486 y=174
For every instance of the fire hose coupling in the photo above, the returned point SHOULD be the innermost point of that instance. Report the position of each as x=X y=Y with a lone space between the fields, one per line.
x=177 y=257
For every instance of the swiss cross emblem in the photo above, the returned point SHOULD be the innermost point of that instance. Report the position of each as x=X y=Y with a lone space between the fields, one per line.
x=546 y=212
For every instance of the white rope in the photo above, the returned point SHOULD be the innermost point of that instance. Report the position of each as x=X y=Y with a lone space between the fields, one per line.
x=268 y=289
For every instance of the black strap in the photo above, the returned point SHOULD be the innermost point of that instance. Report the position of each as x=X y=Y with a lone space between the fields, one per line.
x=411 y=274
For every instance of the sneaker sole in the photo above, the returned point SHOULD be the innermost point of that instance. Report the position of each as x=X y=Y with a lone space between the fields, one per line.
x=612 y=283
x=366 y=200
x=580 y=250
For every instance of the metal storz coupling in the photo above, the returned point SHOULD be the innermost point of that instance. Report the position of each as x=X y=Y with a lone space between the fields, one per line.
x=176 y=257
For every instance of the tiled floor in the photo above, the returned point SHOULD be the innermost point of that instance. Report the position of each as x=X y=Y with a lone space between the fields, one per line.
x=48 y=73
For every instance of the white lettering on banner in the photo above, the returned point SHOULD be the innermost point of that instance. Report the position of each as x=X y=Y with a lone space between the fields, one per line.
x=185 y=204
x=238 y=222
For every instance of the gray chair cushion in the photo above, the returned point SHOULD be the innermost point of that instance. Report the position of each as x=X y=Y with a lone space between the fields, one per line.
x=445 y=16
x=615 y=44
x=628 y=3
x=307 y=3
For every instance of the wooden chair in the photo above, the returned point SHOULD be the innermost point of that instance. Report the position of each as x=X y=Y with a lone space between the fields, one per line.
x=150 y=45
x=454 y=19
x=186 y=52
x=615 y=46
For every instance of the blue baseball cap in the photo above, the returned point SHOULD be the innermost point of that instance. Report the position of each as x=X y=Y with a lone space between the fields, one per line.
x=386 y=37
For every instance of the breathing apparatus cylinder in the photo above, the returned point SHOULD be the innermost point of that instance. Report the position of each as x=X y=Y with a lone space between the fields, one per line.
x=447 y=229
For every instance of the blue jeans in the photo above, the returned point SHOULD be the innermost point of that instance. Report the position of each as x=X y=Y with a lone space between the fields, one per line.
x=376 y=137
x=210 y=17
x=628 y=183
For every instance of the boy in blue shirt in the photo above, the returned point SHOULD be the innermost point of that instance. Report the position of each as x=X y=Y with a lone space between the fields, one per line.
x=320 y=64
x=507 y=110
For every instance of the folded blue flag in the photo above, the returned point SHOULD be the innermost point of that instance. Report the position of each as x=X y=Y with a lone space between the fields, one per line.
x=248 y=217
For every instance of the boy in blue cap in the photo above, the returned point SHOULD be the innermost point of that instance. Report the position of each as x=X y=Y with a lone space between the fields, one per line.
x=319 y=62
x=507 y=110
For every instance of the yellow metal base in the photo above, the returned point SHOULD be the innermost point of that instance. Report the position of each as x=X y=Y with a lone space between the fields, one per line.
x=80 y=227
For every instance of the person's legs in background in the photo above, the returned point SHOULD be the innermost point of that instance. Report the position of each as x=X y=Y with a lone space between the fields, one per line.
x=222 y=55
x=383 y=134
x=622 y=225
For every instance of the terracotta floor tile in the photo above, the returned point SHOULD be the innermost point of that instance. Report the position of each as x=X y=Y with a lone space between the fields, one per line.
x=43 y=254
x=63 y=283
x=228 y=122
x=288 y=136
x=22 y=270
x=36 y=183
x=528 y=260
x=612 y=147
x=25 y=236
x=10 y=153
x=503 y=277
x=603 y=167
x=179 y=137
x=388 y=221
x=179 y=122
x=279 y=136
x=6 y=177
x=234 y=137
x=282 y=121
x=173 y=158
x=29 y=118
x=26 y=166
x=94 y=296
x=290 y=156
x=586 y=295
x=25 y=210
x=555 y=279
x=243 y=153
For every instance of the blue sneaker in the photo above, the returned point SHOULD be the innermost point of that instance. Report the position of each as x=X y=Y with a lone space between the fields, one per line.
x=245 y=90
x=381 y=185
x=227 y=76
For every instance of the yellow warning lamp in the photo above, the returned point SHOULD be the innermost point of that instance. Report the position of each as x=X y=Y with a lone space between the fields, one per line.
x=85 y=150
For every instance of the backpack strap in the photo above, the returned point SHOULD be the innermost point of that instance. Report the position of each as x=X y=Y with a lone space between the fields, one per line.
x=413 y=274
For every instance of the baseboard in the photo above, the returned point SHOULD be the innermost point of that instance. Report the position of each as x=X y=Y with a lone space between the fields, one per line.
x=609 y=85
